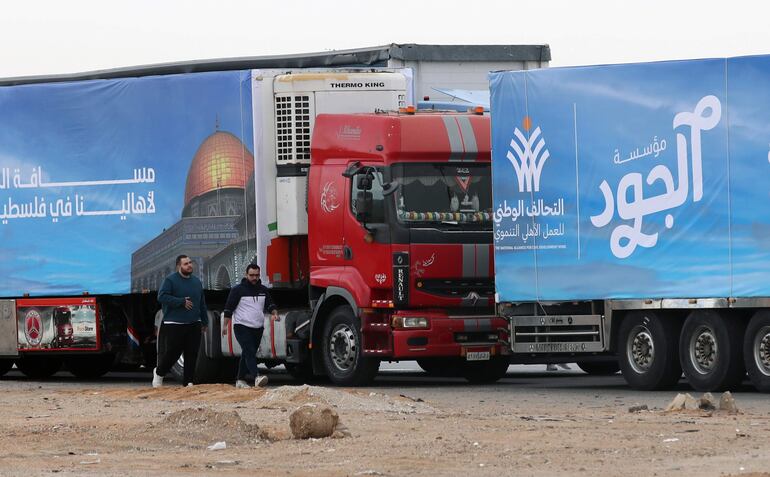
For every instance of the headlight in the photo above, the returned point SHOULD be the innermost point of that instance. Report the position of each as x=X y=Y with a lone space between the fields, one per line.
x=410 y=322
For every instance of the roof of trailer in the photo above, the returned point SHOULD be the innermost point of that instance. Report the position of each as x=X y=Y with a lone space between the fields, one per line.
x=360 y=57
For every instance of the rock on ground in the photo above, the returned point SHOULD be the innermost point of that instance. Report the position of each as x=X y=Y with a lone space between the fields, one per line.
x=313 y=420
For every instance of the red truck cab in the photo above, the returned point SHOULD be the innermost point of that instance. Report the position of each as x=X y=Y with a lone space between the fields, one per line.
x=399 y=242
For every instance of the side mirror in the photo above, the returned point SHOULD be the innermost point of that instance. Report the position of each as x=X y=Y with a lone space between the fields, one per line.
x=365 y=181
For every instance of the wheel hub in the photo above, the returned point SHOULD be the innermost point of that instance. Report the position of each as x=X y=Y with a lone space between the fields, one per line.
x=762 y=350
x=343 y=347
x=641 y=349
x=703 y=350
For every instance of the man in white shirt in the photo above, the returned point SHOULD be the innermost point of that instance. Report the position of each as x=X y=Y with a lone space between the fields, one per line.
x=246 y=305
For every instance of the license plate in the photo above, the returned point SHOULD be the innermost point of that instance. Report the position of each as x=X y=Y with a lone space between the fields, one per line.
x=477 y=356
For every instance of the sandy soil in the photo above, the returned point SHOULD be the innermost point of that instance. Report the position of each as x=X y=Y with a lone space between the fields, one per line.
x=135 y=430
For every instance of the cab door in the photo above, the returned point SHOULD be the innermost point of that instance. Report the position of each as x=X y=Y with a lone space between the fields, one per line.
x=327 y=206
x=367 y=237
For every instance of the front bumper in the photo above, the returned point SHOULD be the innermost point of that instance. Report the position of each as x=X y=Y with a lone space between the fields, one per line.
x=451 y=336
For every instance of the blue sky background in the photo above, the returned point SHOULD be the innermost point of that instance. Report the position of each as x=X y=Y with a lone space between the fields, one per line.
x=102 y=130
x=716 y=247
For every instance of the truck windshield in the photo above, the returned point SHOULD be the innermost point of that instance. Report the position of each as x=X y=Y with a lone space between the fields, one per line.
x=431 y=194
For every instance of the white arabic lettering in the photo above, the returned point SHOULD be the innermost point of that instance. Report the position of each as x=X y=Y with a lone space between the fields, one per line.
x=38 y=207
x=143 y=175
x=654 y=149
x=625 y=238
x=536 y=208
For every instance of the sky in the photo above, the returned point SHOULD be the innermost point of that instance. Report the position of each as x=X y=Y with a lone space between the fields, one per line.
x=41 y=37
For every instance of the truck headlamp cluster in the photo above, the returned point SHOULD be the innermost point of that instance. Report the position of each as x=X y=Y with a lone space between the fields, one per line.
x=410 y=322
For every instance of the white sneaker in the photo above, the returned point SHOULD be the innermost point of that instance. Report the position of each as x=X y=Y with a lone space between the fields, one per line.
x=157 y=381
x=260 y=382
x=189 y=385
x=241 y=384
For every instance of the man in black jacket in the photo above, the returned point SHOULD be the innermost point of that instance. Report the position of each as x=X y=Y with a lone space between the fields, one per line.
x=246 y=305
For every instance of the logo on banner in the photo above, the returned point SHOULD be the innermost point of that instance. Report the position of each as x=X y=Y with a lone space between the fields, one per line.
x=329 y=197
x=528 y=156
x=33 y=327
x=625 y=238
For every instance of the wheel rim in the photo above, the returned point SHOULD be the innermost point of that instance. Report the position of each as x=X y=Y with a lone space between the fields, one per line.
x=343 y=347
x=640 y=349
x=703 y=350
x=762 y=350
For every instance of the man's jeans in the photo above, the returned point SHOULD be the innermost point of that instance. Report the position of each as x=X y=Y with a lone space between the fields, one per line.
x=249 y=339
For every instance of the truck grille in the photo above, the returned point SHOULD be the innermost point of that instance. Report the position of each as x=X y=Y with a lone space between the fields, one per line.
x=293 y=122
x=557 y=334
x=483 y=287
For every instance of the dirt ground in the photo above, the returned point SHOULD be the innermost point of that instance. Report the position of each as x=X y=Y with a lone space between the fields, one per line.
x=125 y=430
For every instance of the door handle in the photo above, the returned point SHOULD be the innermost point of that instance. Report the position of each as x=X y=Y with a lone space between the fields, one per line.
x=347 y=253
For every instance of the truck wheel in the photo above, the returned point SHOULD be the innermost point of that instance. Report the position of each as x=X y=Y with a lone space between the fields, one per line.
x=485 y=372
x=710 y=351
x=756 y=351
x=89 y=367
x=648 y=351
x=342 y=351
x=599 y=368
x=442 y=367
x=38 y=367
x=5 y=366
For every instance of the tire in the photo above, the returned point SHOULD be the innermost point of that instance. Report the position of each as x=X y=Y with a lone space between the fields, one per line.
x=342 y=350
x=486 y=372
x=756 y=350
x=38 y=367
x=599 y=368
x=647 y=348
x=710 y=351
x=5 y=366
x=442 y=367
x=89 y=366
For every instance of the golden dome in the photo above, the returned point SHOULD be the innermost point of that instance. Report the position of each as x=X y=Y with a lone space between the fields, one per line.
x=222 y=161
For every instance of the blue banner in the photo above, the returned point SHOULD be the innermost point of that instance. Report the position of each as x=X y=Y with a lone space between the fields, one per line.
x=632 y=181
x=103 y=182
